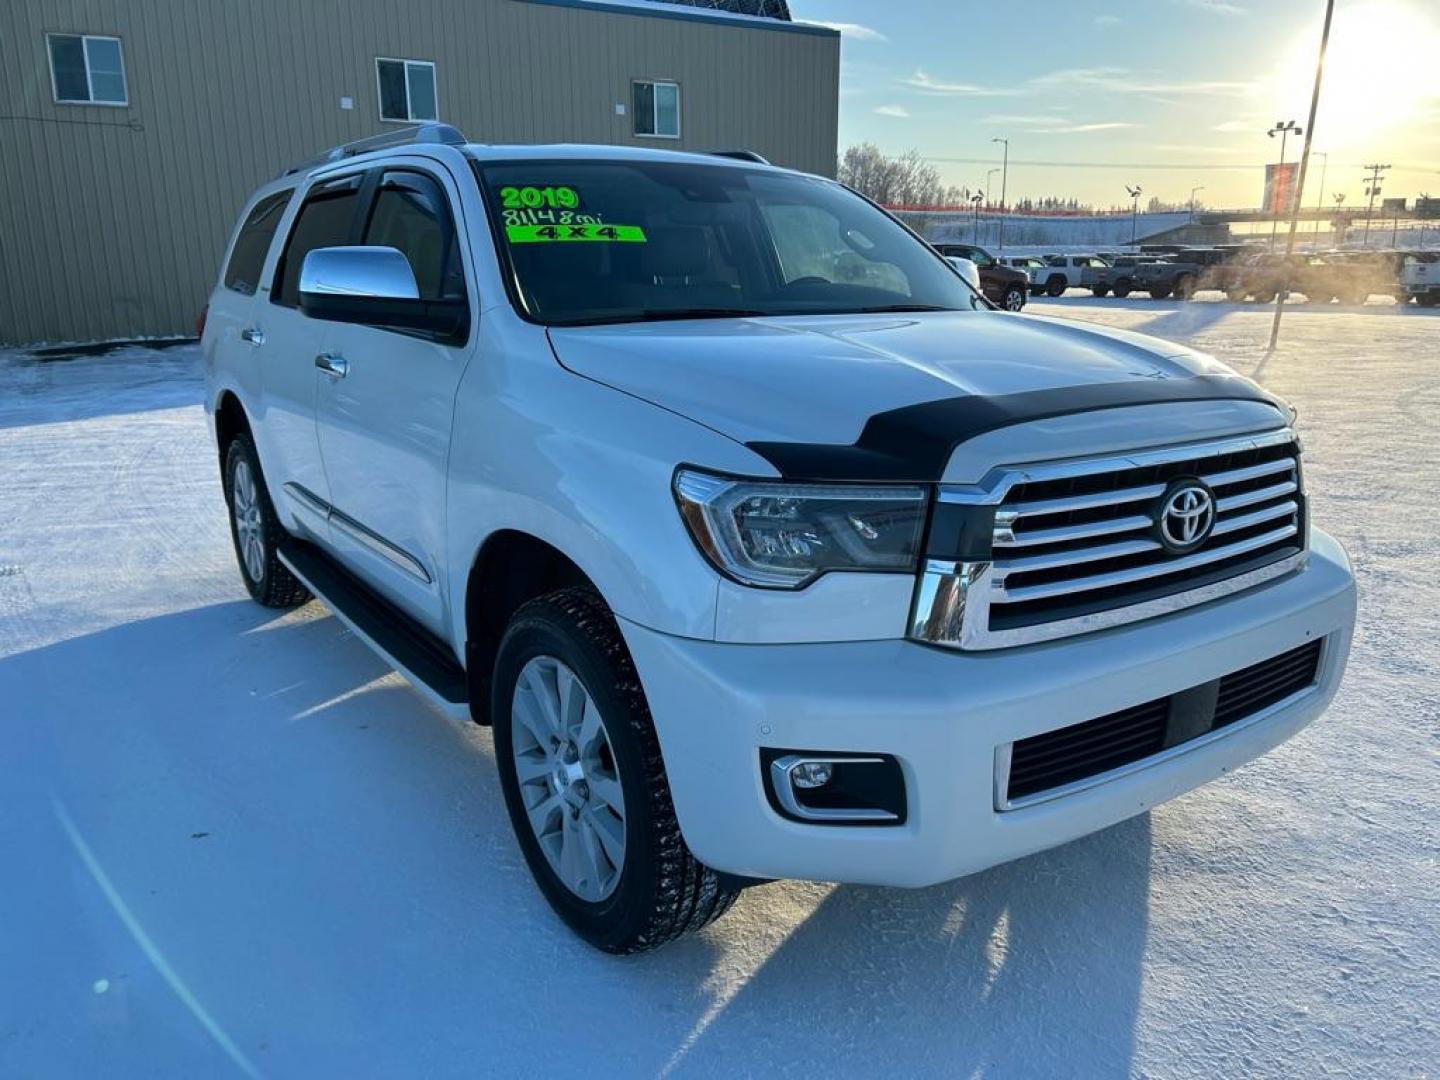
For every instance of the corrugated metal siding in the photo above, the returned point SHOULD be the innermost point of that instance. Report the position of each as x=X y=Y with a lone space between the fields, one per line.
x=112 y=220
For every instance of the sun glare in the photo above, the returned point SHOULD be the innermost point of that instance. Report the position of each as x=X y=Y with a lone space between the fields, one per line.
x=1379 y=74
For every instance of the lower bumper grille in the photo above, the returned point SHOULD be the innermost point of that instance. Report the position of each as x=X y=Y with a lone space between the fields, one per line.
x=1069 y=755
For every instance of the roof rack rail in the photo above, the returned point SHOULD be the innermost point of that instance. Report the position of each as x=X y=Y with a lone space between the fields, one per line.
x=443 y=134
x=739 y=155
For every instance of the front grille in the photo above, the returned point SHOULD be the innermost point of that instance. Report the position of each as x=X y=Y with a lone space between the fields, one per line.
x=1083 y=751
x=1073 y=546
x=1243 y=693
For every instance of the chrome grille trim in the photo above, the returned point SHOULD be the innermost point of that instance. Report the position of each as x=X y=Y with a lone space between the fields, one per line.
x=957 y=602
x=1003 y=595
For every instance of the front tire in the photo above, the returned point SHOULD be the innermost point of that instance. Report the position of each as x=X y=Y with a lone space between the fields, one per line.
x=1100 y=291
x=255 y=530
x=1159 y=294
x=585 y=783
x=1056 y=286
x=1122 y=288
x=1014 y=298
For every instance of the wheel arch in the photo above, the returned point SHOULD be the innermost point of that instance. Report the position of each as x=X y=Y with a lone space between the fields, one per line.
x=230 y=420
x=509 y=569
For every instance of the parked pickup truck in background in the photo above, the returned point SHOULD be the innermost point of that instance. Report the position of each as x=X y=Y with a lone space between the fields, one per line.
x=1420 y=277
x=761 y=562
x=1119 y=276
x=1184 y=273
x=1069 y=272
x=1002 y=285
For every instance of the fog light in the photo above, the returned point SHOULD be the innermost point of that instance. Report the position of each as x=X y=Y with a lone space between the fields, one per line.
x=842 y=788
x=811 y=774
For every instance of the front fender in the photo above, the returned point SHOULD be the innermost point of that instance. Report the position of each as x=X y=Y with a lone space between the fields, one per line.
x=587 y=469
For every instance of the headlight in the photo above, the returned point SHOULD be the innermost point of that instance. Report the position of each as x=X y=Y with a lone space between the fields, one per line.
x=782 y=536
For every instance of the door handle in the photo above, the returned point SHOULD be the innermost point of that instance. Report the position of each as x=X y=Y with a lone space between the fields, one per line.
x=334 y=365
x=253 y=336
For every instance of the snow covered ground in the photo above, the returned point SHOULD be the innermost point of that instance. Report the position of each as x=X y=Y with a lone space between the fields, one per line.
x=233 y=844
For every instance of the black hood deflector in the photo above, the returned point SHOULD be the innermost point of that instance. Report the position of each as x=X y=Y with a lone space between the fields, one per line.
x=915 y=442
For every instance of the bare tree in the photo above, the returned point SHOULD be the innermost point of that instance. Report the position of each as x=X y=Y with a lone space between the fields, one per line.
x=907 y=180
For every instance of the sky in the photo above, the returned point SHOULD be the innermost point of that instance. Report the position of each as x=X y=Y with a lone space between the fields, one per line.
x=1167 y=94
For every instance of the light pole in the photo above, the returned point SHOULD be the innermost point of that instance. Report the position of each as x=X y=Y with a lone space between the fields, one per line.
x=975 y=201
x=1300 y=181
x=990 y=183
x=1320 y=202
x=1134 y=211
x=1004 y=184
x=1193 y=190
x=1283 y=128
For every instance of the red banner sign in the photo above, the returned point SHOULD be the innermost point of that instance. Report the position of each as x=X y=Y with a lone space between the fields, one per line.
x=1280 y=193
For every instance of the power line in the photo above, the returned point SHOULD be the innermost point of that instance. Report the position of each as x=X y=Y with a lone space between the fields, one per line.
x=1142 y=164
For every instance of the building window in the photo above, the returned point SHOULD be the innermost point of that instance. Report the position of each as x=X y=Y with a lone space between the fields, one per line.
x=87 y=69
x=656 y=109
x=407 y=90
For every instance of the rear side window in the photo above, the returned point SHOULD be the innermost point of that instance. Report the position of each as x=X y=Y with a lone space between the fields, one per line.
x=253 y=243
x=411 y=215
x=325 y=220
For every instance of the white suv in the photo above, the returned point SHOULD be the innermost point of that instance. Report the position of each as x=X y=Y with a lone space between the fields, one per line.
x=766 y=546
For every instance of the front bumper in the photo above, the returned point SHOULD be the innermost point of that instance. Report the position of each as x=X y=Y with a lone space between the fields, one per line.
x=945 y=715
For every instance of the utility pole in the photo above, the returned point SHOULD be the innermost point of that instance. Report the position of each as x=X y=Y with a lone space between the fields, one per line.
x=1134 y=211
x=1304 y=165
x=1320 y=202
x=975 y=201
x=1193 y=190
x=1377 y=173
x=1283 y=128
x=1004 y=185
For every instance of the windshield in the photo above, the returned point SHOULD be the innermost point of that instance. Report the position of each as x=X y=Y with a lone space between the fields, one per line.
x=593 y=242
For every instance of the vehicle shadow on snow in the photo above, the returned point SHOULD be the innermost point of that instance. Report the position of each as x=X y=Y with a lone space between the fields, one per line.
x=1033 y=968
x=243 y=814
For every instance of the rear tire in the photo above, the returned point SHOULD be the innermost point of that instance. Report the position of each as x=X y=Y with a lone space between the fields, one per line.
x=638 y=886
x=1159 y=294
x=255 y=530
x=1122 y=288
x=1185 y=287
x=1428 y=299
x=1100 y=291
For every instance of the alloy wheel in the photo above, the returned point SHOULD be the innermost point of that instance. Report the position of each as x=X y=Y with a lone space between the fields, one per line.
x=569 y=783
x=249 y=529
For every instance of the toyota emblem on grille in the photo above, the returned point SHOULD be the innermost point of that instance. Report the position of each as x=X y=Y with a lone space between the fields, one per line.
x=1185 y=516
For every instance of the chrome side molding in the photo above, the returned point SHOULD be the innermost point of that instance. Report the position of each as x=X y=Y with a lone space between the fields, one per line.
x=308 y=500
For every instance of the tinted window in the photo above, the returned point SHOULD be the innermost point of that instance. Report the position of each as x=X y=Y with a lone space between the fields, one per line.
x=324 y=221
x=411 y=214
x=589 y=241
x=253 y=243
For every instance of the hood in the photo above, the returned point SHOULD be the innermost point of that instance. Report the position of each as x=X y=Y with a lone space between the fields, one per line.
x=819 y=379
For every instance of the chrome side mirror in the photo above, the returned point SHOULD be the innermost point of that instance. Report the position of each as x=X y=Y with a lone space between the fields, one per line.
x=967 y=270
x=380 y=273
x=375 y=286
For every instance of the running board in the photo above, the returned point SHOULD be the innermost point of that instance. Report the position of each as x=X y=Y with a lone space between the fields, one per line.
x=400 y=641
